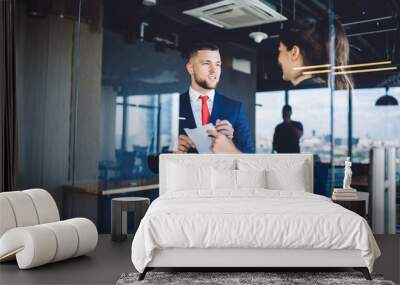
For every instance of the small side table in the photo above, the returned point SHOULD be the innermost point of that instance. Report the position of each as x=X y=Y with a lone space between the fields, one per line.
x=119 y=209
x=357 y=206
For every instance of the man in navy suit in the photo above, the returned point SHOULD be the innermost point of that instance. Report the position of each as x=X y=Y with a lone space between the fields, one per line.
x=201 y=105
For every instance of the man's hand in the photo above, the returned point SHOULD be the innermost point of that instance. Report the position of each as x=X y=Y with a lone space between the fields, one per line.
x=184 y=144
x=225 y=128
x=220 y=143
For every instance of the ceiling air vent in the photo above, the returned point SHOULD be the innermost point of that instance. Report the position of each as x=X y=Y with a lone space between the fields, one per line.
x=232 y=14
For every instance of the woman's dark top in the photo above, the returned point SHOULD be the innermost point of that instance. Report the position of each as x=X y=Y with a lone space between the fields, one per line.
x=313 y=82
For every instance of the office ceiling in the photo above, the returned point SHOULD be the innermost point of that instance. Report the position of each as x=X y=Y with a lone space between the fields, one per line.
x=372 y=27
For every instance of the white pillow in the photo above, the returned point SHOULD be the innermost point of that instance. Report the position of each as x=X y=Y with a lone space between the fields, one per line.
x=226 y=179
x=292 y=179
x=282 y=173
x=251 y=178
x=223 y=179
x=183 y=177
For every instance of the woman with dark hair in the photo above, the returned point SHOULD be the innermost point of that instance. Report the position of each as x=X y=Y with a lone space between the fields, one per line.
x=306 y=43
x=303 y=43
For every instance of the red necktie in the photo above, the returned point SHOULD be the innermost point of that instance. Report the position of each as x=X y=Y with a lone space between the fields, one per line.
x=205 y=114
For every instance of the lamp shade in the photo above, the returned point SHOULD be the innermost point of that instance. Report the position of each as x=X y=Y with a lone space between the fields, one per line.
x=386 y=100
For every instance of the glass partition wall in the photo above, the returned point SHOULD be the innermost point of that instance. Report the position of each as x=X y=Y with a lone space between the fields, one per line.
x=134 y=108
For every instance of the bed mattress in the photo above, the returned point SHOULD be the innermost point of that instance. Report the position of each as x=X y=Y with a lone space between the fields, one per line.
x=250 y=219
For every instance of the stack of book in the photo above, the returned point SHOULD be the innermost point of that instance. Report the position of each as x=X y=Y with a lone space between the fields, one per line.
x=344 y=194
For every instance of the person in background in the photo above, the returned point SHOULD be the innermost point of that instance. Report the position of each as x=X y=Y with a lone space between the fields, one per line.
x=287 y=134
x=303 y=43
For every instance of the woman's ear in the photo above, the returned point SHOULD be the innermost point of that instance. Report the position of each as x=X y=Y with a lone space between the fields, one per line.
x=295 y=53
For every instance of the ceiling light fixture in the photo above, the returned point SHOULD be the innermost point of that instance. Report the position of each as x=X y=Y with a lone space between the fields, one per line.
x=343 y=66
x=349 y=71
x=386 y=100
x=258 y=37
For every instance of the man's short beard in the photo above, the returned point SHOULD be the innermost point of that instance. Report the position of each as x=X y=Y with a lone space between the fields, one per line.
x=204 y=84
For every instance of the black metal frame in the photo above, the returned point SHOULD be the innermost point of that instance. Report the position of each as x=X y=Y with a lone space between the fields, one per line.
x=143 y=274
x=363 y=270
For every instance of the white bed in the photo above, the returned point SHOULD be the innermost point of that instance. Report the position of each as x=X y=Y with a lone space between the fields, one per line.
x=223 y=217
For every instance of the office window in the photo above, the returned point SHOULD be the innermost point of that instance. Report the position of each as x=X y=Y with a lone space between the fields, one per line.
x=374 y=125
x=169 y=123
x=152 y=122
x=268 y=115
x=311 y=107
x=340 y=126
x=144 y=124
x=141 y=130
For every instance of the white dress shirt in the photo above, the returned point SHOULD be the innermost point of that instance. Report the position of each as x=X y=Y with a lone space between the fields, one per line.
x=195 y=102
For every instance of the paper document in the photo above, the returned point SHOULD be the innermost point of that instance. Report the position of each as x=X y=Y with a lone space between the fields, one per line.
x=200 y=138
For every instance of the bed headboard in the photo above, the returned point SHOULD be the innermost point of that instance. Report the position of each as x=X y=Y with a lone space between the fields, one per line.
x=234 y=161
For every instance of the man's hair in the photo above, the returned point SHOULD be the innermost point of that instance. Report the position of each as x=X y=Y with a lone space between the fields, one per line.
x=286 y=109
x=193 y=49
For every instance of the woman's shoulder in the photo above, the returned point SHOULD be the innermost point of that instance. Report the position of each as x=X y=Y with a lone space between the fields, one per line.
x=313 y=82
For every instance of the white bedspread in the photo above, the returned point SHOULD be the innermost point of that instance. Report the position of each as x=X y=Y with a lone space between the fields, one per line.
x=250 y=219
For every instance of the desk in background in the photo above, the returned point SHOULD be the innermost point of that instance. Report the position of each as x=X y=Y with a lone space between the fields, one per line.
x=92 y=201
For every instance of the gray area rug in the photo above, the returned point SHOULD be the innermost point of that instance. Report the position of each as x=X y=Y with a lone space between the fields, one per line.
x=228 y=278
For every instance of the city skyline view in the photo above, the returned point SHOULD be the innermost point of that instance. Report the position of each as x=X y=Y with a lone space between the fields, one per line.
x=371 y=127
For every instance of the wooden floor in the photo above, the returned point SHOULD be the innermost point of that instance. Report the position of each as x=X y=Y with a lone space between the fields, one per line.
x=111 y=259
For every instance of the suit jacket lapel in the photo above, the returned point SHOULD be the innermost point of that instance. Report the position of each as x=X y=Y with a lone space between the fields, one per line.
x=185 y=111
x=216 y=109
